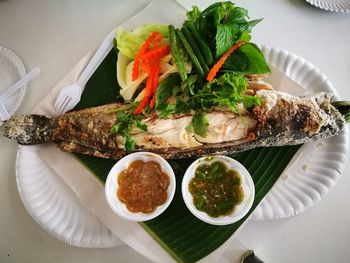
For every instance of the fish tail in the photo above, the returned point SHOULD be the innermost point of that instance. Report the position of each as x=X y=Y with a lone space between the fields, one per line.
x=28 y=129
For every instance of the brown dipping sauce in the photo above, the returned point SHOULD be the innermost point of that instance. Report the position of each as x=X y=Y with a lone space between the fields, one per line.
x=143 y=186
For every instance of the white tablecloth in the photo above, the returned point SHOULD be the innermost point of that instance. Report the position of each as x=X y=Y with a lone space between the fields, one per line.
x=55 y=35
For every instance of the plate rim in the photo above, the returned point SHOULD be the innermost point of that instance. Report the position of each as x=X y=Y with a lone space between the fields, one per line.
x=20 y=68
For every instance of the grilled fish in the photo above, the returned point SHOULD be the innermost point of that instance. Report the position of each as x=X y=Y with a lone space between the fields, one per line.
x=281 y=119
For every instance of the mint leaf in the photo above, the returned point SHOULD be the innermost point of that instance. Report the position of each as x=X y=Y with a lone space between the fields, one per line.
x=238 y=15
x=219 y=15
x=200 y=124
x=248 y=59
x=223 y=13
x=225 y=37
x=257 y=63
x=244 y=37
x=194 y=14
x=254 y=22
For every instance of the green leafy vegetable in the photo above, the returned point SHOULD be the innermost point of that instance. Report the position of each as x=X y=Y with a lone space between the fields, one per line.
x=223 y=24
x=199 y=124
x=129 y=42
x=125 y=119
x=247 y=60
x=227 y=91
x=196 y=64
x=172 y=86
x=175 y=51
x=223 y=13
x=257 y=63
x=224 y=37
x=204 y=48
x=188 y=86
x=165 y=90
x=181 y=106
x=194 y=14
x=167 y=110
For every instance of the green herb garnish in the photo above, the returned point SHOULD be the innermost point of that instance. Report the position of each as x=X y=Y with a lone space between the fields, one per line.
x=199 y=124
x=226 y=91
x=223 y=24
x=124 y=122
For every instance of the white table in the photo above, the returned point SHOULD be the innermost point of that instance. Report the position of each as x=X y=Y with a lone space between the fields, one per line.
x=55 y=35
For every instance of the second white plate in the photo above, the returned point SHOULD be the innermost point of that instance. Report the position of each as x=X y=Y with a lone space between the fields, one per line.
x=11 y=70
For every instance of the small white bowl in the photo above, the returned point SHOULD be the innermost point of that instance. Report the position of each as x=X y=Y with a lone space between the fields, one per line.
x=111 y=186
x=240 y=210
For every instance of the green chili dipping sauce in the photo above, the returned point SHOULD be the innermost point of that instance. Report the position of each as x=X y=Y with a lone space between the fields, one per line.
x=216 y=189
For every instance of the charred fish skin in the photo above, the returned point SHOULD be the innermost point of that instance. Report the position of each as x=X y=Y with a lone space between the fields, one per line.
x=288 y=120
x=89 y=128
x=29 y=129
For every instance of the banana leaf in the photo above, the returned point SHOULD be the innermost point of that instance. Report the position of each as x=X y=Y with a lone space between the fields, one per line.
x=184 y=236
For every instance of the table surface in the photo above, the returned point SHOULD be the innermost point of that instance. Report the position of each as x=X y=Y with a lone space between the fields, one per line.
x=55 y=35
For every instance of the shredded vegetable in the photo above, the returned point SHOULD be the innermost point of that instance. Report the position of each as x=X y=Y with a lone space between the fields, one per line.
x=149 y=56
x=143 y=50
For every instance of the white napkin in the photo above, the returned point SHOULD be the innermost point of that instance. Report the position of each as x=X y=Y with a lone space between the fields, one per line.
x=86 y=186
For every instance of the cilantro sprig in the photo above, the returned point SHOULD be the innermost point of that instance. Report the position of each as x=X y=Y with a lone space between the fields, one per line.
x=125 y=120
x=199 y=124
x=226 y=91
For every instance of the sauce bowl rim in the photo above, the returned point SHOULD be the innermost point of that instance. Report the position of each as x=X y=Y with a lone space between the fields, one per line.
x=247 y=183
x=111 y=186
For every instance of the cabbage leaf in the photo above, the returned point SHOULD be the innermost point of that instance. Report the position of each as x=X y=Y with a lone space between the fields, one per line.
x=130 y=41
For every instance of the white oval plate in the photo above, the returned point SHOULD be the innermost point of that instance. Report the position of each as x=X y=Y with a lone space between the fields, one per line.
x=331 y=5
x=11 y=70
x=56 y=208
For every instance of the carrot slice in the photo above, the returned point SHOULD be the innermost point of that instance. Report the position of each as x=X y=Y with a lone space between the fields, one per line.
x=146 y=98
x=148 y=93
x=155 y=84
x=156 y=53
x=150 y=59
x=251 y=136
x=157 y=41
x=145 y=47
x=146 y=66
x=212 y=73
